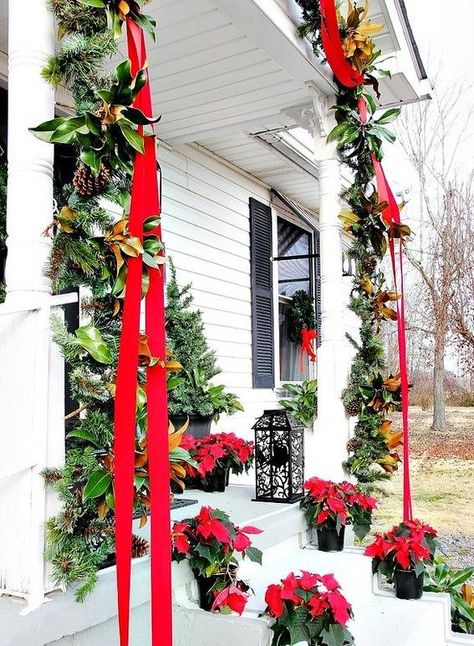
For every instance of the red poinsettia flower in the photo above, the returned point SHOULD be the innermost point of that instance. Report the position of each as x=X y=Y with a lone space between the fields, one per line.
x=274 y=601
x=307 y=581
x=231 y=597
x=209 y=527
x=318 y=605
x=289 y=586
x=378 y=549
x=179 y=539
x=340 y=607
x=330 y=582
x=241 y=542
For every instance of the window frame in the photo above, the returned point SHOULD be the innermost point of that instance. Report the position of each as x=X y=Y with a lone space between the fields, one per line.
x=280 y=213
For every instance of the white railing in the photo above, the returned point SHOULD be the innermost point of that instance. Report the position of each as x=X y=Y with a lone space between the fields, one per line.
x=31 y=438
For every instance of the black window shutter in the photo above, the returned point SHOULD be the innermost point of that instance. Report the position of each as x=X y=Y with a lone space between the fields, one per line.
x=317 y=285
x=263 y=350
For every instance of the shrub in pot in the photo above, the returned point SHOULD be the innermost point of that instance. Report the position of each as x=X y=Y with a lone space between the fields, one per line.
x=442 y=578
x=193 y=396
x=215 y=457
x=308 y=608
x=402 y=555
x=211 y=542
x=330 y=506
x=303 y=404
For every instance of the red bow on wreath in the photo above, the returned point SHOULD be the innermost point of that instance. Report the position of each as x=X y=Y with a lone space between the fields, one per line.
x=307 y=338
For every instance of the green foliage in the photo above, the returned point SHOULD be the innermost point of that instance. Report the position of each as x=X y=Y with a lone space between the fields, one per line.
x=303 y=405
x=187 y=342
x=300 y=315
x=441 y=578
x=110 y=135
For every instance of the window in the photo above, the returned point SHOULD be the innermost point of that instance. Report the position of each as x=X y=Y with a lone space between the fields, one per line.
x=294 y=274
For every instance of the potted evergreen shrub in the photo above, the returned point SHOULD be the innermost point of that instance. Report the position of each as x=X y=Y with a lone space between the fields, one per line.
x=309 y=609
x=402 y=555
x=330 y=506
x=193 y=397
x=211 y=542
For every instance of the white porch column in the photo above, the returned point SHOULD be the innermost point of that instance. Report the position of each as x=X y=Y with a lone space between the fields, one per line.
x=326 y=451
x=31 y=40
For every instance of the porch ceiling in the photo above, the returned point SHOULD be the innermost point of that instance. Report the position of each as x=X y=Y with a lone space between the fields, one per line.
x=224 y=69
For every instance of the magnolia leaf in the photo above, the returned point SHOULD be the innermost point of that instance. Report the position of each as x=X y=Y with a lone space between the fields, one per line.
x=151 y=223
x=132 y=136
x=388 y=116
x=143 y=520
x=91 y=159
x=90 y=338
x=123 y=71
x=97 y=484
x=93 y=3
x=82 y=434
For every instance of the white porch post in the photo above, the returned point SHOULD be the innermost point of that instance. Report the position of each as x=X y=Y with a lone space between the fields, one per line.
x=31 y=369
x=326 y=451
x=31 y=40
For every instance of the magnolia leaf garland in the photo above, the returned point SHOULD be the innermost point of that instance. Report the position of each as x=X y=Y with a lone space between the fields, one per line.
x=374 y=449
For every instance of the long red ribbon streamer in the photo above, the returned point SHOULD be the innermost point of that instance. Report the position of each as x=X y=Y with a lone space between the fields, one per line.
x=351 y=78
x=145 y=202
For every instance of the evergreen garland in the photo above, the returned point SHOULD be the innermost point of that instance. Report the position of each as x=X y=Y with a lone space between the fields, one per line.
x=90 y=249
x=369 y=395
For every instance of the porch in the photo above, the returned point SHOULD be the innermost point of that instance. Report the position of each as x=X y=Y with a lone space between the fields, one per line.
x=284 y=542
x=245 y=108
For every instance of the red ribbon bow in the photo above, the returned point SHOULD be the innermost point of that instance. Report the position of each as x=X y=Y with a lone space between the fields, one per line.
x=307 y=338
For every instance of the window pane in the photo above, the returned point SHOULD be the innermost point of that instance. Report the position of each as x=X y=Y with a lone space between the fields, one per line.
x=293 y=275
x=290 y=353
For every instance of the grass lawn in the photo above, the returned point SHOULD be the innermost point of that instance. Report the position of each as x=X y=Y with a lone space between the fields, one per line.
x=442 y=469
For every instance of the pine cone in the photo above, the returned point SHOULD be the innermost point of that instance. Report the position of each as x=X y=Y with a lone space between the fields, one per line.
x=353 y=444
x=140 y=547
x=87 y=184
x=369 y=264
x=353 y=408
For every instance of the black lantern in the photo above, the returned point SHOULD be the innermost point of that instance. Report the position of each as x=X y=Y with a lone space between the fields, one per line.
x=279 y=457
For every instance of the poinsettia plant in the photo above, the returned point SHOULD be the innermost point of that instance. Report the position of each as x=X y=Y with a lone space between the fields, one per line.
x=219 y=451
x=411 y=545
x=211 y=542
x=333 y=505
x=308 y=608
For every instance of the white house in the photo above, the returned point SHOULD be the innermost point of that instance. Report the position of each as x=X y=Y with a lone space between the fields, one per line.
x=245 y=110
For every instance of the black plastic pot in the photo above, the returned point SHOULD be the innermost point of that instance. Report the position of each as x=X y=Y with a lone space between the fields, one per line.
x=205 y=585
x=328 y=540
x=215 y=481
x=408 y=585
x=198 y=428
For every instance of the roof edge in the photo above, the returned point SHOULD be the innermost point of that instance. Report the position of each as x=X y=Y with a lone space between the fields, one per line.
x=410 y=37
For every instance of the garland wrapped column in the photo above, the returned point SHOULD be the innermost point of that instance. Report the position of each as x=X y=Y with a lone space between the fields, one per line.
x=353 y=75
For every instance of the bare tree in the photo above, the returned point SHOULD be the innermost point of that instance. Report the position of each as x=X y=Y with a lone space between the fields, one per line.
x=432 y=134
x=462 y=302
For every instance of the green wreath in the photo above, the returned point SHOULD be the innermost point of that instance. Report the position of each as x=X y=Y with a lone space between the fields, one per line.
x=300 y=315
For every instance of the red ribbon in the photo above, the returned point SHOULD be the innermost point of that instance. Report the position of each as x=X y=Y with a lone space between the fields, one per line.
x=331 y=40
x=333 y=49
x=307 y=338
x=145 y=202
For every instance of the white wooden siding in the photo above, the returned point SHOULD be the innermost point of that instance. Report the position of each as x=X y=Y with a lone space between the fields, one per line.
x=206 y=231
